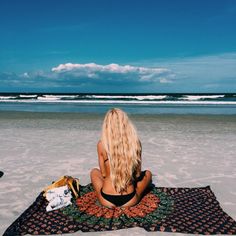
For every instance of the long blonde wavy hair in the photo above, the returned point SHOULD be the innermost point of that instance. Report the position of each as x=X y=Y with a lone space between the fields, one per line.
x=122 y=145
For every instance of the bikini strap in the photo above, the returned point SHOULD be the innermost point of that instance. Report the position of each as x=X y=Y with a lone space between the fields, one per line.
x=107 y=158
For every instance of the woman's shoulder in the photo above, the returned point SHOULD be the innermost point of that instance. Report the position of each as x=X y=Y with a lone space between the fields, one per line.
x=99 y=144
x=100 y=147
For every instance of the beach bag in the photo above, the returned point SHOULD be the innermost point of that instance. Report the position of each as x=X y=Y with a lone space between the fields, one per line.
x=72 y=183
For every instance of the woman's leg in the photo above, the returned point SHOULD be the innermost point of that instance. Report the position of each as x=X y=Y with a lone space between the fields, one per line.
x=97 y=182
x=143 y=184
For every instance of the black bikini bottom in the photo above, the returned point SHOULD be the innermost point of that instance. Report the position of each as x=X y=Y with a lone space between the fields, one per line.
x=118 y=200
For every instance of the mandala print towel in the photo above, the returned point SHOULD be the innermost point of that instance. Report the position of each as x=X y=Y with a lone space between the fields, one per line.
x=185 y=210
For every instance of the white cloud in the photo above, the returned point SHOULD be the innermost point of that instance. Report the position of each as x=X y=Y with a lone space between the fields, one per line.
x=114 y=72
x=25 y=75
x=107 y=68
x=165 y=80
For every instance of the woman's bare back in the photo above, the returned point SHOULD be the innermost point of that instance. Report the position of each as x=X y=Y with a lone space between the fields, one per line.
x=107 y=183
x=101 y=181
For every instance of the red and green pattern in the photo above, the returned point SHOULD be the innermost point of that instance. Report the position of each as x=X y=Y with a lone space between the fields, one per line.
x=153 y=207
x=183 y=210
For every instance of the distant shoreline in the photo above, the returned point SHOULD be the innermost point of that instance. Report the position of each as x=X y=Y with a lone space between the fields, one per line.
x=87 y=115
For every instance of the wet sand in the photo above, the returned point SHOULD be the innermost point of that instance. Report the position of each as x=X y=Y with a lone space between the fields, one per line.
x=180 y=150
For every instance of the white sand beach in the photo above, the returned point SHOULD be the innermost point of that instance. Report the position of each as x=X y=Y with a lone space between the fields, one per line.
x=180 y=150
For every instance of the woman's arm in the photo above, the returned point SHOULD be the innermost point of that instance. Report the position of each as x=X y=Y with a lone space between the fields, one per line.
x=101 y=158
x=139 y=167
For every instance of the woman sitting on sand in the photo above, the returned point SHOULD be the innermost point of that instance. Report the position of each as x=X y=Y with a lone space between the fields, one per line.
x=119 y=181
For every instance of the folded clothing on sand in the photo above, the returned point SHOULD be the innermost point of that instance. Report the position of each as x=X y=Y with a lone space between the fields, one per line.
x=58 y=198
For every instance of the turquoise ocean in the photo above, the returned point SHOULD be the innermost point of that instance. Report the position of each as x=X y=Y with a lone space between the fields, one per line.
x=174 y=103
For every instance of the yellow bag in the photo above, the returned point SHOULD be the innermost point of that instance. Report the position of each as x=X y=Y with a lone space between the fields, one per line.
x=72 y=183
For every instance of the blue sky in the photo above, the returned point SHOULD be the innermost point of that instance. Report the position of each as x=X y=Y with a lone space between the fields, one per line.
x=118 y=46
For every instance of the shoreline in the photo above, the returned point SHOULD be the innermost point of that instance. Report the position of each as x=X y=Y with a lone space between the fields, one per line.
x=55 y=114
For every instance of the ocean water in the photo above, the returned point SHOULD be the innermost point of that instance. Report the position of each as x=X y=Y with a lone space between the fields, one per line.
x=224 y=104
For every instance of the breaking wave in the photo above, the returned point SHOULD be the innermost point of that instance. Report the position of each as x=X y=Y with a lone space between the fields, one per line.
x=122 y=98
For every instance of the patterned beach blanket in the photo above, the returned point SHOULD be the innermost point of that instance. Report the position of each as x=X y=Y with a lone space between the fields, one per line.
x=185 y=210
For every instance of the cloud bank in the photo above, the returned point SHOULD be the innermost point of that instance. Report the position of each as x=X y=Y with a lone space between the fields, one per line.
x=114 y=73
x=198 y=74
